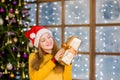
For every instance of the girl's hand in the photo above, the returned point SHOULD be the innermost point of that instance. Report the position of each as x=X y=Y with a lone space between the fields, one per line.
x=59 y=54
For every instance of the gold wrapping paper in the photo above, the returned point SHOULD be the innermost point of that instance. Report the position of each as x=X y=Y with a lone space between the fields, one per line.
x=74 y=43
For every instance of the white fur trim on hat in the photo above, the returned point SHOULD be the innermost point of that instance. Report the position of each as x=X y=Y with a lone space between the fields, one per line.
x=38 y=35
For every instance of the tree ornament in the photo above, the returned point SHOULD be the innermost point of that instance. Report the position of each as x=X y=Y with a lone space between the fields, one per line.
x=12 y=75
x=25 y=3
x=6 y=43
x=22 y=31
x=23 y=15
x=14 y=2
x=1 y=21
x=2 y=10
x=10 y=15
x=25 y=55
x=17 y=76
x=7 y=18
x=18 y=64
x=9 y=66
x=27 y=76
x=16 y=11
x=11 y=10
x=23 y=42
x=22 y=64
x=20 y=22
x=15 y=39
x=5 y=72
x=10 y=41
x=23 y=75
x=28 y=49
x=18 y=55
x=19 y=3
x=13 y=49
x=2 y=67
x=3 y=1
x=14 y=68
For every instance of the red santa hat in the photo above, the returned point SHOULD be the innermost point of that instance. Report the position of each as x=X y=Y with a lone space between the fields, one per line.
x=35 y=33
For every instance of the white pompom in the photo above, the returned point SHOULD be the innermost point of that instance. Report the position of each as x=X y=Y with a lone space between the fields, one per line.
x=32 y=35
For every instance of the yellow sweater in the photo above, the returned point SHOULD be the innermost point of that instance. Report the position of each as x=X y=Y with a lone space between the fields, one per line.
x=46 y=70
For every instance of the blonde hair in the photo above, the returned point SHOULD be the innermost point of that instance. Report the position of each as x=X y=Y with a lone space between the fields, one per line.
x=36 y=62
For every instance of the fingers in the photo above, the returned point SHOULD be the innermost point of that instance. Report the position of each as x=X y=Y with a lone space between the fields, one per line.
x=59 y=54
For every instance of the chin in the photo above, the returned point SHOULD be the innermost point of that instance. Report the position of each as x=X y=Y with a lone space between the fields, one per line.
x=49 y=47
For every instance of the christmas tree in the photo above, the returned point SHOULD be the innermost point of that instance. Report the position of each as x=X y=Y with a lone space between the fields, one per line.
x=14 y=50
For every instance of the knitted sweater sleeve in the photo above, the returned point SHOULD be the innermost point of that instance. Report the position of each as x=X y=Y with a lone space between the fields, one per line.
x=42 y=72
x=67 y=72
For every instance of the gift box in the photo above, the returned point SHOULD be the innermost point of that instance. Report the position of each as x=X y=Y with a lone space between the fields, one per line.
x=74 y=43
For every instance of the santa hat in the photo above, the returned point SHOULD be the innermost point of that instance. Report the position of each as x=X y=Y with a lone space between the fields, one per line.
x=35 y=33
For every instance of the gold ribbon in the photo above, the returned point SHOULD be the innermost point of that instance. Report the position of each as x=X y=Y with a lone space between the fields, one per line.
x=67 y=44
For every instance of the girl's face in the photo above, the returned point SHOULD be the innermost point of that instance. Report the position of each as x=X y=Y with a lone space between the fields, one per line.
x=46 y=42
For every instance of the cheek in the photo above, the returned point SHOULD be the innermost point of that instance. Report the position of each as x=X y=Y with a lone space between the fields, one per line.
x=53 y=43
x=42 y=45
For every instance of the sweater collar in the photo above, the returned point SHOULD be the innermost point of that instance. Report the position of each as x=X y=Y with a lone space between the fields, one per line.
x=46 y=53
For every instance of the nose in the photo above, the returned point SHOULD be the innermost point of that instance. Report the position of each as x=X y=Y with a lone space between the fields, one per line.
x=47 y=40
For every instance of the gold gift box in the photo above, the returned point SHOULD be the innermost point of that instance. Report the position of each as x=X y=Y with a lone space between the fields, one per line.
x=74 y=43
